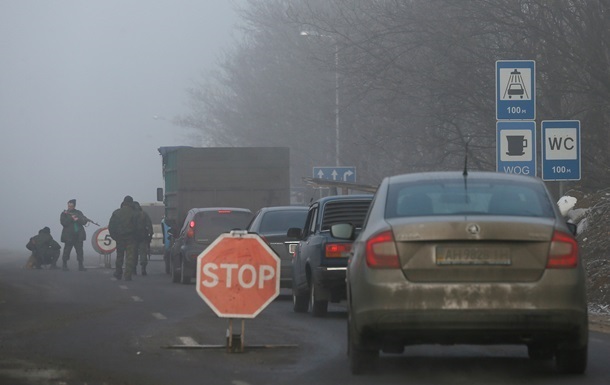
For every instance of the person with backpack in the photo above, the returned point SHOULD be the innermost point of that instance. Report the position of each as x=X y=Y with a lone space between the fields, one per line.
x=44 y=248
x=122 y=228
x=144 y=232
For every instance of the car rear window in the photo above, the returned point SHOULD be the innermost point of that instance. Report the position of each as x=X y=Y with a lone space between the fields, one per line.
x=210 y=224
x=352 y=212
x=281 y=221
x=470 y=198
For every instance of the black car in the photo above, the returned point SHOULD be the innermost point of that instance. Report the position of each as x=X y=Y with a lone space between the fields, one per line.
x=272 y=224
x=320 y=261
x=201 y=227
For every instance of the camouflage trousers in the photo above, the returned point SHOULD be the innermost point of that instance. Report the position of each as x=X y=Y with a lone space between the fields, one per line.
x=126 y=255
x=142 y=253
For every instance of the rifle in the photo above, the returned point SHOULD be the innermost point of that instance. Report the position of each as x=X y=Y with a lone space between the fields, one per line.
x=89 y=220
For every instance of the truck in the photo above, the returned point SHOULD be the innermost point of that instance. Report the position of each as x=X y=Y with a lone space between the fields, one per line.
x=199 y=177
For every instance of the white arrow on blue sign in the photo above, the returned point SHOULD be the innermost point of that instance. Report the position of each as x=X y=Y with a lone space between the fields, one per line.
x=515 y=90
x=560 y=150
x=340 y=174
x=516 y=147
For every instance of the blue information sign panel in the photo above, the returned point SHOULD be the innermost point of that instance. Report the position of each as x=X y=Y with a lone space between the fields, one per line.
x=516 y=147
x=340 y=174
x=515 y=90
x=561 y=150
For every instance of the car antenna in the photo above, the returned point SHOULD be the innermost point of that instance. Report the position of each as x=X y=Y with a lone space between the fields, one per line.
x=465 y=173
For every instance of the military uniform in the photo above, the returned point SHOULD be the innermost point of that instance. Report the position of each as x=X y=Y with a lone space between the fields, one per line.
x=144 y=231
x=73 y=234
x=44 y=249
x=122 y=228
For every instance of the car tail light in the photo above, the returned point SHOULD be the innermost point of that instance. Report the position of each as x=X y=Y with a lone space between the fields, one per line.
x=381 y=251
x=190 y=232
x=563 y=252
x=338 y=250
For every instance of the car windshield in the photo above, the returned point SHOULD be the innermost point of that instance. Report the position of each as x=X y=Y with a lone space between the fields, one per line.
x=433 y=198
x=280 y=221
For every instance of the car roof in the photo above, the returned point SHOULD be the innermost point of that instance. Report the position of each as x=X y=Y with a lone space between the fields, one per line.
x=283 y=208
x=344 y=198
x=458 y=175
x=194 y=211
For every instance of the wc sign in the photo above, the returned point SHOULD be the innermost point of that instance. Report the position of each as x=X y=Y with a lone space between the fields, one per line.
x=560 y=150
x=516 y=147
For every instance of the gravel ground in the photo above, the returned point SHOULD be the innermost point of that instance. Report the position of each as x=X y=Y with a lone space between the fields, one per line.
x=592 y=214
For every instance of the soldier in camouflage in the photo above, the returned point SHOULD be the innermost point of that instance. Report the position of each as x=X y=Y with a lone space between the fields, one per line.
x=73 y=234
x=122 y=228
x=144 y=232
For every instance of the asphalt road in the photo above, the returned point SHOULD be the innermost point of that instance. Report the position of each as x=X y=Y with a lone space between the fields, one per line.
x=70 y=328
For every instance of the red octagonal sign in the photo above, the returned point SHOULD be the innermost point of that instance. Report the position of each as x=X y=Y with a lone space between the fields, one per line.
x=238 y=275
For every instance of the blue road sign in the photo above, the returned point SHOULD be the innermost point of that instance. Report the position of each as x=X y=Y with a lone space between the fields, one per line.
x=560 y=150
x=516 y=147
x=515 y=90
x=340 y=174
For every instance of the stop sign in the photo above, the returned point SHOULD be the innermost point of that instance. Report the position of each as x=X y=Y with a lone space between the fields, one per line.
x=238 y=275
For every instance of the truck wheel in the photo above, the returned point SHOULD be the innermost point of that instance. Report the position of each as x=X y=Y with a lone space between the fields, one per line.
x=319 y=307
x=185 y=279
x=175 y=272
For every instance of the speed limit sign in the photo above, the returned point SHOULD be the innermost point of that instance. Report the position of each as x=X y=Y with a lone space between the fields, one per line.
x=102 y=242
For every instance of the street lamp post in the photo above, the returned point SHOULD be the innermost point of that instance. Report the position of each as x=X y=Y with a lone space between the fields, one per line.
x=337 y=122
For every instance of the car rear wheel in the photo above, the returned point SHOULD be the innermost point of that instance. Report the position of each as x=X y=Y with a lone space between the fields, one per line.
x=185 y=279
x=319 y=307
x=571 y=360
x=166 y=259
x=300 y=302
x=361 y=359
x=175 y=272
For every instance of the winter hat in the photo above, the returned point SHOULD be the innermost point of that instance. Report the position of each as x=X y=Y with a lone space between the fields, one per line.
x=73 y=201
x=46 y=229
x=128 y=199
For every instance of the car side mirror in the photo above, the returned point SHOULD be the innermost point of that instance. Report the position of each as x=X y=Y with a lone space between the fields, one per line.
x=294 y=232
x=573 y=228
x=342 y=231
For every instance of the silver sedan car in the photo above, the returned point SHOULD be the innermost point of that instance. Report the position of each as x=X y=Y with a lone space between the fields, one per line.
x=465 y=258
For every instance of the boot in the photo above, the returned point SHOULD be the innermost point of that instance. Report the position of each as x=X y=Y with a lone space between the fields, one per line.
x=81 y=267
x=118 y=274
x=143 y=270
x=64 y=266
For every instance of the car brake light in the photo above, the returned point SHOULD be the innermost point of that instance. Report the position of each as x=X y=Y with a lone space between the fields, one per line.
x=563 y=252
x=381 y=251
x=224 y=211
x=338 y=250
x=190 y=232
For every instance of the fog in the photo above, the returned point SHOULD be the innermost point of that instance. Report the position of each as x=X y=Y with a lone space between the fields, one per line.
x=87 y=93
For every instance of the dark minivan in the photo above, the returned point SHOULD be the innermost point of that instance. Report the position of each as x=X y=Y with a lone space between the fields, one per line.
x=201 y=227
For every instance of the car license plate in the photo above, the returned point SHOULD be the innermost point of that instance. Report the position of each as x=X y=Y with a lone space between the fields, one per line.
x=473 y=256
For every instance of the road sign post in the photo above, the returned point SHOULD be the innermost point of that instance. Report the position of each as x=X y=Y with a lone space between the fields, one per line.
x=560 y=150
x=516 y=147
x=515 y=90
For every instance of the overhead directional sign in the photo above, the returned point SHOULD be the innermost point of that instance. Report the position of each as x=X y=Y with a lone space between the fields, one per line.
x=516 y=147
x=561 y=150
x=342 y=174
x=515 y=90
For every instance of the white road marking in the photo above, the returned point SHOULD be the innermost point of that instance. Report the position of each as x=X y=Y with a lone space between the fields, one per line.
x=123 y=287
x=136 y=298
x=159 y=316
